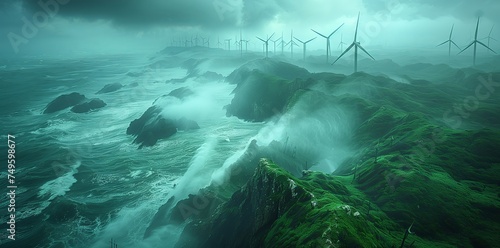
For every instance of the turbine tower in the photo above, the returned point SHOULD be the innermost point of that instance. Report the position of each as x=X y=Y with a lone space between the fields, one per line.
x=328 y=49
x=218 y=42
x=207 y=42
x=475 y=42
x=304 y=45
x=449 y=41
x=202 y=40
x=274 y=42
x=489 y=36
x=282 y=43
x=228 y=44
x=266 y=43
x=342 y=43
x=291 y=43
x=356 y=45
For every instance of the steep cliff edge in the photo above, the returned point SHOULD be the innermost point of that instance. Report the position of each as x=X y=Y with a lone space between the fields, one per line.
x=275 y=209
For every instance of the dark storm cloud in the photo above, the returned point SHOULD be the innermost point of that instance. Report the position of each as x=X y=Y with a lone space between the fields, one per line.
x=133 y=13
x=202 y=13
x=462 y=9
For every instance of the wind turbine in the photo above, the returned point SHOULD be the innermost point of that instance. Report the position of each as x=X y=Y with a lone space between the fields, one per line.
x=449 y=41
x=304 y=45
x=282 y=43
x=202 y=40
x=266 y=43
x=274 y=42
x=291 y=43
x=489 y=36
x=246 y=45
x=236 y=43
x=475 y=42
x=328 y=49
x=195 y=40
x=241 y=45
x=341 y=44
x=356 y=45
x=228 y=44
x=218 y=42
x=207 y=42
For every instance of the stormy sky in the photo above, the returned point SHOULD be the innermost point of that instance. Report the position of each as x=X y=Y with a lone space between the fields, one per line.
x=57 y=27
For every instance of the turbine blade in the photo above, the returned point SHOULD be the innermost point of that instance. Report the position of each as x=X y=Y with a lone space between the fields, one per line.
x=319 y=34
x=443 y=43
x=356 y=33
x=310 y=40
x=347 y=50
x=451 y=30
x=493 y=39
x=335 y=30
x=270 y=37
x=477 y=27
x=491 y=30
x=260 y=39
x=466 y=47
x=360 y=47
x=486 y=46
x=452 y=42
x=298 y=40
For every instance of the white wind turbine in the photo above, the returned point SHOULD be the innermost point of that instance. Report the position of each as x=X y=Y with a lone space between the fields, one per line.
x=356 y=45
x=304 y=45
x=328 y=49
x=449 y=41
x=266 y=43
x=475 y=42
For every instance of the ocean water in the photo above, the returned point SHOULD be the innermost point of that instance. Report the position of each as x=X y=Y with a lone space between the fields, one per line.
x=81 y=182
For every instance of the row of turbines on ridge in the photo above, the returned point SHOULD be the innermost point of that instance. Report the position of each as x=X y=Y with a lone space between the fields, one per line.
x=355 y=44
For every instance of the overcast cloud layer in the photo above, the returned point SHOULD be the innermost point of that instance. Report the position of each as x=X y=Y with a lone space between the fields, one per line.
x=77 y=22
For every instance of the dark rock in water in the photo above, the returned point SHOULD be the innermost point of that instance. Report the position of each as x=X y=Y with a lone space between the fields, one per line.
x=211 y=76
x=184 y=124
x=181 y=93
x=110 y=88
x=136 y=126
x=177 y=80
x=152 y=126
x=160 y=128
x=88 y=106
x=135 y=74
x=64 y=101
x=191 y=65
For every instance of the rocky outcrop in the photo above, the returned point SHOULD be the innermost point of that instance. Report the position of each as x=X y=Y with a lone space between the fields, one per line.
x=268 y=66
x=259 y=96
x=110 y=88
x=88 y=106
x=63 y=102
x=153 y=126
x=184 y=124
x=275 y=209
x=210 y=76
x=181 y=93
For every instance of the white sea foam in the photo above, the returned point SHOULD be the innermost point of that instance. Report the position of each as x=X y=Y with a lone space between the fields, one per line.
x=60 y=185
